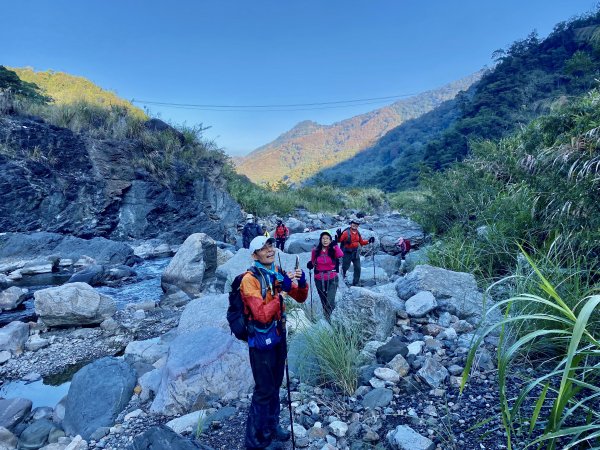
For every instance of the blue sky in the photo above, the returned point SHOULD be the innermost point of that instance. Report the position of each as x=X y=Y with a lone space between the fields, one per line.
x=268 y=51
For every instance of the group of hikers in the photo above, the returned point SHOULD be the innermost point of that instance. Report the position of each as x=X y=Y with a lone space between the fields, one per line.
x=263 y=309
x=252 y=229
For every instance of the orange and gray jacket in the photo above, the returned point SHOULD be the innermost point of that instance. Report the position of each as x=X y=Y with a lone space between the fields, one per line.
x=265 y=310
x=355 y=240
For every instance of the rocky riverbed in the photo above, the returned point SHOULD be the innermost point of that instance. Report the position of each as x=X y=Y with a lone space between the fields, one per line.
x=167 y=372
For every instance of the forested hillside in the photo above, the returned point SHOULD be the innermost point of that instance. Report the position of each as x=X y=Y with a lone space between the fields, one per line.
x=63 y=88
x=309 y=147
x=528 y=79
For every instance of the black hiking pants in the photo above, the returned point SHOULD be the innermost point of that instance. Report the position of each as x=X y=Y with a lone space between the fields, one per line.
x=327 y=290
x=280 y=243
x=263 y=416
x=353 y=257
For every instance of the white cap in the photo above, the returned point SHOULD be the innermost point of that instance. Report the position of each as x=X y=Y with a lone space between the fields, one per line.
x=249 y=217
x=259 y=242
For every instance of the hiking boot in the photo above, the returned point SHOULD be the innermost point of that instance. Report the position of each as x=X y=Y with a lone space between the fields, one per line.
x=274 y=446
x=281 y=434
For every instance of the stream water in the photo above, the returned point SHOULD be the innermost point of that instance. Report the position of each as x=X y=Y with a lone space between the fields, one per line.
x=49 y=391
x=145 y=287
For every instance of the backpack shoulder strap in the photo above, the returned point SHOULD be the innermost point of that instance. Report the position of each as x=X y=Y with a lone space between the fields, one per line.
x=349 y=237
x=255 y=272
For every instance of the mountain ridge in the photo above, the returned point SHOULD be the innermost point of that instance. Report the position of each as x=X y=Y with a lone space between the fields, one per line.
x=309 y=147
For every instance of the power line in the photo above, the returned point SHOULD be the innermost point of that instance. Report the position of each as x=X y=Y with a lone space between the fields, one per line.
x=241 y=108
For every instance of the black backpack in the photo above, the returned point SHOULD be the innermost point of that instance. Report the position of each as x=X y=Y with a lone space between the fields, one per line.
x=238 y=321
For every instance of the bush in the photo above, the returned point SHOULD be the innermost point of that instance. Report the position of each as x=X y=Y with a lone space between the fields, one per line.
x=557 y=407
x=281 y=199
x=331 y=355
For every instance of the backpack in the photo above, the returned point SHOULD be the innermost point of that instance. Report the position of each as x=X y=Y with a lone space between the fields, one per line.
x=349 y=240
x=238 y=320
x=407 y=244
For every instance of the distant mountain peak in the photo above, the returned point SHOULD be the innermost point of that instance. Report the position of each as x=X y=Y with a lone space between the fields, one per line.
x=310 y=147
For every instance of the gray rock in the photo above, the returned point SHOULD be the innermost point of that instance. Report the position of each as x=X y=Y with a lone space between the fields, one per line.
x=208 y=363
x=163 y=438
x=4 y=356
x=12 y=297
x=192 y=267
x=400 y=365
x=420 y=304
x=392 y=227
x=98 y=393
x=433 y=372
x=206 y=311
x=73 y=304
x=148 y=351
x=36 y=342
x=455 y=292
x=36 y=435
x=362 y=309
x=390 y=349
x=379 y=397
x=13 y=411
x=13 y=336
x=41 y=245
x=387 y=374
x=92 y=275
x=8 y=441
x=405 y=438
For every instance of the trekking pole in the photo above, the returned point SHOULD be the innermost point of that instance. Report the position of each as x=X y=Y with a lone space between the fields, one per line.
x=312 y=317
x=374 y=279
x=287 y=369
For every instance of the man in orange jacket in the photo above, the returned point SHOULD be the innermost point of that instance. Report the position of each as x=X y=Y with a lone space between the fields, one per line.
x=351 y=242
x=261 y=295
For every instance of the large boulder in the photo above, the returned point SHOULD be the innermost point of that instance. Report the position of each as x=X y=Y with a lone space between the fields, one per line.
x=12 y=297
x=206 y=311
x=454 y=292
x=193 y=265
x=13 y=336
x=201 y=366
x=73 y=304
x=370 y=313
x=98 y=393
x=36 y=434
x=390 y=228
x=147 y=351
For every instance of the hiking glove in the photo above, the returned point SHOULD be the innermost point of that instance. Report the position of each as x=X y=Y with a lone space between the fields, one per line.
x=310 y=265
x=286 y=286
x=338 y=234
x=302 y=281
x=371 y=240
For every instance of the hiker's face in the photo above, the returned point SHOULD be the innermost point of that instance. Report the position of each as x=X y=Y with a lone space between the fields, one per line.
x=266 y=255
x=354 y=226
x=325 y=241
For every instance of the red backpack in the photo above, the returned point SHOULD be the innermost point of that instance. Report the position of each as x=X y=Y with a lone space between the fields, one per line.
x=280 y=231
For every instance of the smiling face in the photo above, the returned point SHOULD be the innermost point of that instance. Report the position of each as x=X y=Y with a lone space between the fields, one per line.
x=354 y=226
x=325 y=240
x=266 y=255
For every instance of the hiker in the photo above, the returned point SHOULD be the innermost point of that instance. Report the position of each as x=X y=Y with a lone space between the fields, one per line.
x=281 y=234
x=265 y=232
x=267 y=342
x=404 y=246
x=325 y=260
x=351 y=242
x=250 y=231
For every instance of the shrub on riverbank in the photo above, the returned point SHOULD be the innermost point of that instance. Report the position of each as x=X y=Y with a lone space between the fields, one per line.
x=539 y=188
x=282 y=199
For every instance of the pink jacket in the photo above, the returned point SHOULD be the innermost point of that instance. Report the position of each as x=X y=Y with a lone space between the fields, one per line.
x=324 y=265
